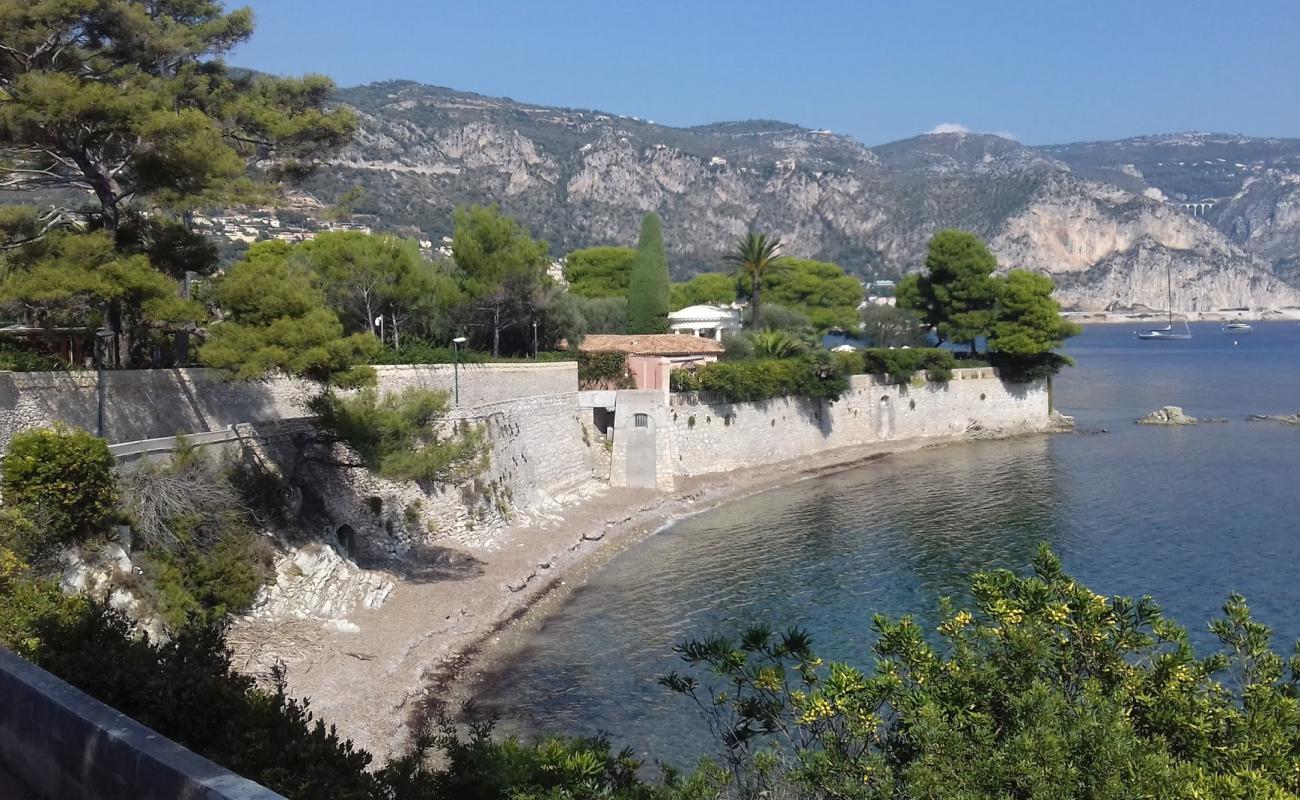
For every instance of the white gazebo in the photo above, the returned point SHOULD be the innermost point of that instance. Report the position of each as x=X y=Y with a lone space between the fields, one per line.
x=707 y=321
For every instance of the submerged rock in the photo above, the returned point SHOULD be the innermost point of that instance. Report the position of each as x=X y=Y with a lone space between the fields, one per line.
x=1168 y=415
x=1285 y=419
x=1060 y=423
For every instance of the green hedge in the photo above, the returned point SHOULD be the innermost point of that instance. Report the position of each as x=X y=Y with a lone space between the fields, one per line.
x=16 y=359
x=744 y=381
x=900 y=365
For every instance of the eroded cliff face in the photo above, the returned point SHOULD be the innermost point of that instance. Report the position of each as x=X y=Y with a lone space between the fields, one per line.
x=580 y=178
x=1136 y=278
x=1109 y=249
x=1264 y=217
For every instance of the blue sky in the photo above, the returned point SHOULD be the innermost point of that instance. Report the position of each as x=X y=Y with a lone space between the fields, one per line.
x=1045 y=72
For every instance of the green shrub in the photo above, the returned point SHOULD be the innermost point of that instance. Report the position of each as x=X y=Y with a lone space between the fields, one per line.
x=813 y=376
x=221 y=580
x=901 y=364
x=27 y=601
x=1040 y=689
x=1027 y=369
x=399 y=435
x=186 y=690
x=65 y=476
x=417 y=351
x=603 y=370
x=16 y=359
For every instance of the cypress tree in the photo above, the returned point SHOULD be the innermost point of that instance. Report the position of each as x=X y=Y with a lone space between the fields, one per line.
x=647 y=292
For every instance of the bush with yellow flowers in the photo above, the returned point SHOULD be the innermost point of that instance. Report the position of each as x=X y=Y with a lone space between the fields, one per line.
x=1041 y=689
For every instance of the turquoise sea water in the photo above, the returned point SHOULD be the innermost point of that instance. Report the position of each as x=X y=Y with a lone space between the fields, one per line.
x=1184 y=514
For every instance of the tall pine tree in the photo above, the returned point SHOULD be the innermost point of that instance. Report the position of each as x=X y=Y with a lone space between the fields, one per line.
x=647 y=293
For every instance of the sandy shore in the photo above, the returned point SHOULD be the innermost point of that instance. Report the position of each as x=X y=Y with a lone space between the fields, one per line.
x=419 y=646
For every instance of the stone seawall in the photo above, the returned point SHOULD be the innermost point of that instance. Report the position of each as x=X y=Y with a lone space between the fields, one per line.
x=690 y=434
x=149 y=404
x=536 y=453
x=714 y=437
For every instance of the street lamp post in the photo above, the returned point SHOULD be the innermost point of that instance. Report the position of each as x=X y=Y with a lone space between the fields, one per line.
x=102 y=336
x=534 y=340
x=455 y=366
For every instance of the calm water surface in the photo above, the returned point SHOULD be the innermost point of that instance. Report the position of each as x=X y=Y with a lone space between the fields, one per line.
x=1185 y=514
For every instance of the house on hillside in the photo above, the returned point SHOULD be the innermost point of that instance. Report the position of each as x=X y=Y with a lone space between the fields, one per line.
x=703 y=320
x=651 y=357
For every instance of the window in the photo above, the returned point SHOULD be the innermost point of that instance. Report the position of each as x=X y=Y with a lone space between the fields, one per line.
x=641 y=420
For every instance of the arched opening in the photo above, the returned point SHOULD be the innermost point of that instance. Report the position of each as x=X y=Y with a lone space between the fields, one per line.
x=347 y=539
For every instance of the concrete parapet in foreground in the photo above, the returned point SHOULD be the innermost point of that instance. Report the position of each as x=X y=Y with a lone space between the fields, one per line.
x=63 y=743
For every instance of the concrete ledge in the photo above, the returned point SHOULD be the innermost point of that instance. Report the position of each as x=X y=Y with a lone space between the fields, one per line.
x=64 y=743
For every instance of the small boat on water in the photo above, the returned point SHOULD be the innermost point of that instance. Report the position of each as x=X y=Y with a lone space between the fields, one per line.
x=1237 y=327
x=1167 y=333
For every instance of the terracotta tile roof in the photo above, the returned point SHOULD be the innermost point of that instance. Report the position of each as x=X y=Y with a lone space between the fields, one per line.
x=651 y=344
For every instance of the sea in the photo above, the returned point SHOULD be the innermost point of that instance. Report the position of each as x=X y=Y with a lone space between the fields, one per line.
x=1187 y=515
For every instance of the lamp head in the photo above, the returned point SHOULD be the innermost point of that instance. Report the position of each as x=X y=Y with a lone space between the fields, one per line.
x=459 y=340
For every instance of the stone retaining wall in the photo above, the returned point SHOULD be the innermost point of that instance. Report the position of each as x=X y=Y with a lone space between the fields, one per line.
x=537 y=452
x=715 y=437
x=63 y=743
x=149 y=404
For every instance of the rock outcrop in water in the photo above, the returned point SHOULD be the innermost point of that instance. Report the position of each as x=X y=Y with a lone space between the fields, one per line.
x=1167 y=415
x=1285 y=419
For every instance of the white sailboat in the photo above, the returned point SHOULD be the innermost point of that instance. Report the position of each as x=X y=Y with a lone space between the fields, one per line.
x=1167 y=332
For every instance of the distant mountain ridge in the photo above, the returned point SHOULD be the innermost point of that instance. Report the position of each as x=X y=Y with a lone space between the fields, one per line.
x=1105 y=219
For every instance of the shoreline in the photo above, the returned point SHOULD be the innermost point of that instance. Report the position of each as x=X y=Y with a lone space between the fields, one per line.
x=428 y=645
x=1140 y=318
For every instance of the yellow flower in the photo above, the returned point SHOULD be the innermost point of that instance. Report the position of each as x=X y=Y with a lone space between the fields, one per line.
x=1058 y=613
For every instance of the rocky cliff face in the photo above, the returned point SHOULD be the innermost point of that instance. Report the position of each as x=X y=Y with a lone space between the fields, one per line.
x=578 y=178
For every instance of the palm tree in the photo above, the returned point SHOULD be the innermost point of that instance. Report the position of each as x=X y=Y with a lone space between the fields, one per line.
x=777 y=344
x=754 y=257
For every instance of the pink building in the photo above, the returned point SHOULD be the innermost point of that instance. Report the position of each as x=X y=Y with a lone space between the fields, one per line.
x=651 y=357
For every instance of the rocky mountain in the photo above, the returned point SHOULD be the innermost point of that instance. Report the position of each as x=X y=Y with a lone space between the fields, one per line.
x=1105 y=219
x=1221 y=214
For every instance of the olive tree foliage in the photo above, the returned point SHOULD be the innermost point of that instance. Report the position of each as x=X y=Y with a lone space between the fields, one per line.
x=648 y=285
x=369 y=277
x=500 y=268
x=1041 y=689
x=128 y=100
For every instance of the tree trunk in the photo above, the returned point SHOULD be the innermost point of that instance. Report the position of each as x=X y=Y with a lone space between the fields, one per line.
x=105 y=187
x=397 y=340
x=754 y=318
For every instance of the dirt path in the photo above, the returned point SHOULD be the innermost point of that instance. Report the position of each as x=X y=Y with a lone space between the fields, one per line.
x=419 y=643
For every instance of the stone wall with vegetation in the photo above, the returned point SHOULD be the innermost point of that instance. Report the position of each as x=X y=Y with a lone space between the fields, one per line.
x=148 y=404
x=715 y=437
x=536 y=452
